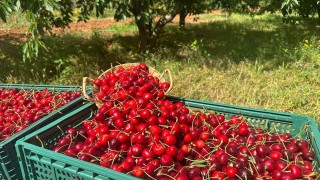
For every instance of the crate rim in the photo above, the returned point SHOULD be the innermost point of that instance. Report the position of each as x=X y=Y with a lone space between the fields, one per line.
x=245 y=108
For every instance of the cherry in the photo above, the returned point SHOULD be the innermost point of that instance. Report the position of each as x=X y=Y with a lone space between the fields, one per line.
x=293 y=148
x=243 y=131
x=307 y=154
x=269 y=164
x=262 y=151
x=217 y=175
x=158 y=149
x=150 y=169
x=287 y=154
x=200 y=144
x=137 y=171
x=145 y=114
x=170 y=139
x=166 y=160
x=172 y=151
x=307 y=165
x=147 y=154
x=276 y=146
x=275 y=155
x=287 y=176
x=302 y=144
x=233 y=150
x=123 y=138
x=114 y=143
x=223 y=159
x=296 y=171
x=231 y=171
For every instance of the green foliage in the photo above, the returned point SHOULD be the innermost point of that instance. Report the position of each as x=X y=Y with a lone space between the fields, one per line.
x=289 y=5
x=304 y=8
x=37 y=13
x=196 y=7
x=6 y=7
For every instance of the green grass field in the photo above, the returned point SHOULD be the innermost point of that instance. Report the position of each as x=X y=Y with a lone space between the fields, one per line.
x=242 y=60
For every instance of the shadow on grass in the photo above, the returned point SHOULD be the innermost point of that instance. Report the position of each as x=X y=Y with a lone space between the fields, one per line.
x=69 y=58
x=242 y=42
x=75 y=55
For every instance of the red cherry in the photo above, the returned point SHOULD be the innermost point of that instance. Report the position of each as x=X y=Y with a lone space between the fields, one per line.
x=170 y=139
x=275 y=155
x=158 y=149
x=231 y=171
x=137 y=171
x=296 y=171
x=166 y=160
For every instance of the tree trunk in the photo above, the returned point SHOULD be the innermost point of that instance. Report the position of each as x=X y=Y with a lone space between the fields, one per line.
x=148 y=36
x=284 y=12
x=144 y=35
x=182 y=19
x=164 y=20
x=144 y=26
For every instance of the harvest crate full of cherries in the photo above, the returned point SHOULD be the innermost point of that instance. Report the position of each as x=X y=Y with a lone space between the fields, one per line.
x=136 y=130
x=25 y=108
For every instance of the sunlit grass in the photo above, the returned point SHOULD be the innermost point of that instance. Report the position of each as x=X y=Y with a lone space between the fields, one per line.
x=283 y=89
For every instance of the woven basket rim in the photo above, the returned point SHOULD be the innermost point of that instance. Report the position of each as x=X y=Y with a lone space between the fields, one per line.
x=152 y=71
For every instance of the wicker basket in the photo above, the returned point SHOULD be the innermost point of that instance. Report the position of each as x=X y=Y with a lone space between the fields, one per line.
x=96 y=90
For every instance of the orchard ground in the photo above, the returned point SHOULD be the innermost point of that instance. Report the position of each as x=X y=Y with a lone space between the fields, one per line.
x=255 y=61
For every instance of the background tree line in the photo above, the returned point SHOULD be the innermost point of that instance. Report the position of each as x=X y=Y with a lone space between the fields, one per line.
x=150 y=16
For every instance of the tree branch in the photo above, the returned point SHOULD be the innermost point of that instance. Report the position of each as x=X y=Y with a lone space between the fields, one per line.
x=166 y=19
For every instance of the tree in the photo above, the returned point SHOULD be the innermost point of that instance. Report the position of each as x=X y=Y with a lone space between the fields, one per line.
x=145 y=13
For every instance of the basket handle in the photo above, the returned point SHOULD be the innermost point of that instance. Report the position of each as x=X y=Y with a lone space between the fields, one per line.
x=84 y=88
x=170 y=79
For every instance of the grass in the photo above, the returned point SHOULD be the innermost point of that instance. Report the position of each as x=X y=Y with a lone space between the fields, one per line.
x=251 y=61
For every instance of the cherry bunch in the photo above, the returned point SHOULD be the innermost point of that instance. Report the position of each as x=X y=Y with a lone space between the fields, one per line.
x=139 y=132
x=20 y=108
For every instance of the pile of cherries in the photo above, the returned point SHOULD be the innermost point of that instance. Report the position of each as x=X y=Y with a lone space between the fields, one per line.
x=21 y=108
x=139 y=132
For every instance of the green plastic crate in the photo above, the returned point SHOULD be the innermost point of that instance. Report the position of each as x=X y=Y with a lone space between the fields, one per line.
x=9 y=164
x=37 y=162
